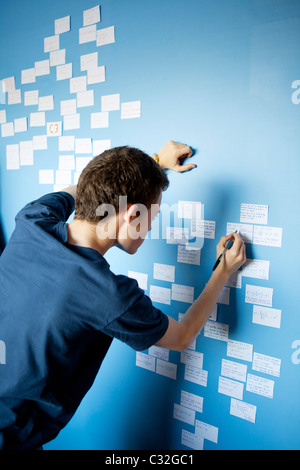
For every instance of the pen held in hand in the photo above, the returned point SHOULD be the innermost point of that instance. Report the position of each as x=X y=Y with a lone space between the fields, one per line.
x=227 y=246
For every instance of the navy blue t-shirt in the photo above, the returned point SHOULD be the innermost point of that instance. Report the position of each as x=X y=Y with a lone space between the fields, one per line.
x=61 y=306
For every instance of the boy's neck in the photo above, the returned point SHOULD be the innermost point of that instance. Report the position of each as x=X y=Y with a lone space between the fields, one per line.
x=83 y=233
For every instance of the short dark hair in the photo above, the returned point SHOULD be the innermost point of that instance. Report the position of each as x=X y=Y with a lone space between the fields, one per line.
x=121 y=171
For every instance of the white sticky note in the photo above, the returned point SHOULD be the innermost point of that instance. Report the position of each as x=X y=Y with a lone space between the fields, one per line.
x=54 y=129
x=99 y=120
x=96 y=75
x=186 y=254
x=240 y=350
x=78 y=84
x=243 y=410
x=68 y=107
x=207 y=431
x=131 y=110
x=28 y=76
x=195 y=375
x=89 y=61
x=254 y=213
x=145 y=361
x=7 y=129
x=64 y=72
x=192 y=401
x=184 y=414
x=46 y=103
x=51 y=43
x=42 y=67
x=159 y=353
x=267 y=236
x=105 y=36
x=40 y=142
x=83 y=145
x=91 y=16
x=62 y=25
x=66 y=143
x=37 y=119
x=191 y=440
x=245 y=231
x=87 y=34
x=72 y=121
x=2 y=116
x=8 y=84
x=215 y=330
x=203 y=228
x=266 y=316
x=46 y=177
x=234 y=370
x=66 y=162
x=256 y=268
x=177 y=235
x=192 y=358
x=160 y=294
x=63 y=177
x=259 y=295
x=266 y=364
x=12 y=157
x=14 y=97
x=183 y=293
x=85 y=98
x=110 y=102
x=166 y=368
x=26 y=152
x=164 y=272
x=230 y=387
x=141 y=278
x=58 y=58
x=99 y=146
x=31 y=98
x=260 y=385
x=20 y=124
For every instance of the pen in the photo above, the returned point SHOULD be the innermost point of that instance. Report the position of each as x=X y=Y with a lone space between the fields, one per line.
x=227 y=246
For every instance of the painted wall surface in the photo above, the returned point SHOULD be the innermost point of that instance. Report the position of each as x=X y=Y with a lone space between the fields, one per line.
x=222 y=77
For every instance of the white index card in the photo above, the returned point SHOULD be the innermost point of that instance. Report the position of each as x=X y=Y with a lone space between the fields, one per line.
x=110 y=102
x=14 y=97
x=51 y=43
x=66 y=162
x=183 y=293
x=195 y=375
x=230 y=387
x=8 y=84
x=42 y=67
x=260 y=385
x=191 y=440
x=87 y=34
x=215 y=330
x=46 y=103
x=240 y=350
x=192 y=401
x=184 y=414
x=259 y=295
x=20 y=124
x=245 y=231
x=145 y=361
x=89 y=61
x=78 y=84
x=266 y=364
x=266 y=316
x=64 y=72
x=203 y=228
x=164 y=272
x=91 y=16
x=160 y=353
x=131 y=110
x=256 y=268
x=186 y=254
x=63 y=177
x=62 y=25
x=243 y=410
x=54 y=129
x=83 y=145
x=177 y=235
x=267 y=236
x=99 y=120
x=71 y=121
x=166 y=368
x=37 y=119
x=2 y=116
x=12 y=157
x=105 y=36
x=254 y=213
x=96 y=75
x=66 y=143
x=234 y=370
x=31 y=98
x=160 y=294
x=99 y=146
x=26 y=152
x=81 y=163
x=141 y=278
x=7 y=129
x=46 y=177
x=192 y=358
x=40 y=142
x=85 y=98
x=58 y=58
x=28 y=76
x=68 y=107
x=207 y=431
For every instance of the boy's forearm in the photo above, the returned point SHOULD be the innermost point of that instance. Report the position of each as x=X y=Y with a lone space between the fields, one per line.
x=71 y=190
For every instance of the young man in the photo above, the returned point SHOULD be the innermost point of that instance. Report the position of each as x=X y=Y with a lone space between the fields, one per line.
x=61 y=305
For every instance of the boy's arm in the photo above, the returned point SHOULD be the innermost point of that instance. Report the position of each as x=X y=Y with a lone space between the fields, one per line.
x=180 y=335
x=71 y=190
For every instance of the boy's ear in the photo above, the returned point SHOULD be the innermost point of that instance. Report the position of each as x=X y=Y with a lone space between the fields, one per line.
x=130 y=213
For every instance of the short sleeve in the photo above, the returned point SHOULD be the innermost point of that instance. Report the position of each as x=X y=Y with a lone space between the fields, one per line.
x=141 y=326
x=58 y=205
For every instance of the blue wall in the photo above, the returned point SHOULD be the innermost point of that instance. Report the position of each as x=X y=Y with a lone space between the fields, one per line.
x=218 y=76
